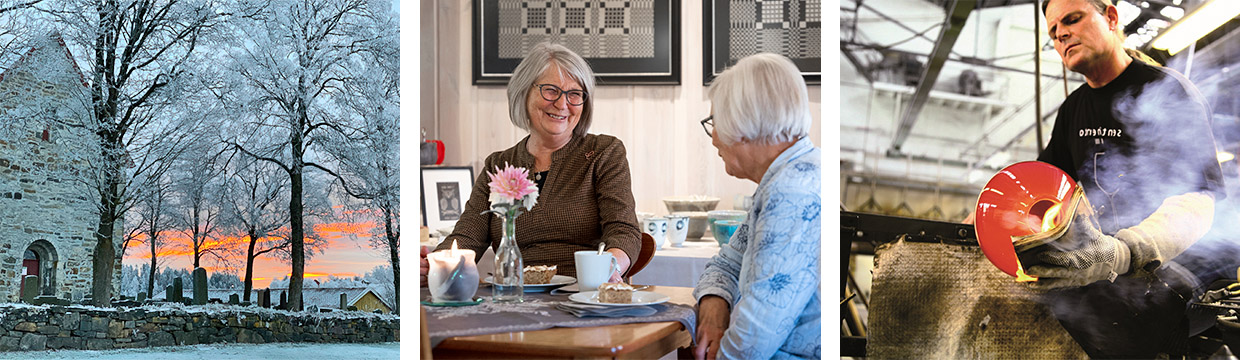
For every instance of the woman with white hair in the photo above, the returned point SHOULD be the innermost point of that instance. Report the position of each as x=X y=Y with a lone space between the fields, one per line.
x=585 y=195
x=758 y=298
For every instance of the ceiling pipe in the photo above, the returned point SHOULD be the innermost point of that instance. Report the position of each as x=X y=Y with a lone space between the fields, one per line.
x=977 y=62
x=1037 y=69
x=1022 y=133
x=985 y=135
x=956 y=18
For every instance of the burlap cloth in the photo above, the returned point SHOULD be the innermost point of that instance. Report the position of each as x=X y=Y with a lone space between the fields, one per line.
x=937 y=301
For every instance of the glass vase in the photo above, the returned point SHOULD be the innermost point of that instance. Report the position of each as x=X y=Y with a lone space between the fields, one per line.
x=509 y=280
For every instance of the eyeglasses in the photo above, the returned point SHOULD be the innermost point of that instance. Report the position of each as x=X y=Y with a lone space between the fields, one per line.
x=708 y=124
x=552 y=93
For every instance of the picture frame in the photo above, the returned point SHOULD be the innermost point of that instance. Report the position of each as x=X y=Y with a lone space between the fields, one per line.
x=731 y=34
x=445 y=190
x=626 y=42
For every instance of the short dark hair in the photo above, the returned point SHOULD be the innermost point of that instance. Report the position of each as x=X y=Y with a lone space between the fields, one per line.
x=1100 y=5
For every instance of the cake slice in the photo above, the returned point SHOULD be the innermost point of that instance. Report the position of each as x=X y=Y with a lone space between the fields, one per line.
x=615 y=293
x=539 y=274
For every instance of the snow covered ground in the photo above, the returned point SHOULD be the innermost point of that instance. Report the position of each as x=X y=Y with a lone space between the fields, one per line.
x=389 y=350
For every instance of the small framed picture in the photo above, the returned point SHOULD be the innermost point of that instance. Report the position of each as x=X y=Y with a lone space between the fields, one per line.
x=445 y=190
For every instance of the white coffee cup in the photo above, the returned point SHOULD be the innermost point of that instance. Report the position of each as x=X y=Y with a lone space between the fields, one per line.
x=657 y=228
x=677 y=229
x=594 y=269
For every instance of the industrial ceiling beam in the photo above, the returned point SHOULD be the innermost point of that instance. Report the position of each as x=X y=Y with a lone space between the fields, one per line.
x=957 y=15
x=860 y=66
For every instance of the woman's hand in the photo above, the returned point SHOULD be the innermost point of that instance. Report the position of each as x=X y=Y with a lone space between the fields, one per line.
x=713 y=316
x=623 y=260
x=424 y=266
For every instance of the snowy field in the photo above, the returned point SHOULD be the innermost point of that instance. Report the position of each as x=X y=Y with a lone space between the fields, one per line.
x=229 y=351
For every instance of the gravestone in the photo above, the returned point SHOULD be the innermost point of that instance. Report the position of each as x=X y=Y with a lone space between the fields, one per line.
x=234 y=299
x=30 y=289
x=344 y=301
x=177 y=290
x=168 y=294
x=264 y=298
x=284 y=300
x=141 y=296
x=200 y=286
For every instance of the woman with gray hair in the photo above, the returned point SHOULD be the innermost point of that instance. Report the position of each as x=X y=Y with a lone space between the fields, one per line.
x=758 y=298
x=585 y=196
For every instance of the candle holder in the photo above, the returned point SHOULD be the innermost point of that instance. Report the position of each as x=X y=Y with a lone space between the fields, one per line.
x=453 y=276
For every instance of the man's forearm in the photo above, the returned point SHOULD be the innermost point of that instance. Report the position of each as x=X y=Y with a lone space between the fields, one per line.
x=1179 y=222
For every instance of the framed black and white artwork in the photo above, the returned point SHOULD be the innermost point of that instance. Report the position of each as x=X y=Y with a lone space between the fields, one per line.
x=735 y=29
x=445 y=189
x=626 y=42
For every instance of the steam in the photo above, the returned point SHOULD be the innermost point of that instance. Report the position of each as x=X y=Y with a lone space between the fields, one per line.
x=1174 y=144
x=1172 y=152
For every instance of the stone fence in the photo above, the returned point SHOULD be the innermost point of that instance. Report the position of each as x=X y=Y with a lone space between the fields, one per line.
x=35 y=327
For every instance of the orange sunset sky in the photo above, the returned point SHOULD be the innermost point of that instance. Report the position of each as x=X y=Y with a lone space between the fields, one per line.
x=348 y=253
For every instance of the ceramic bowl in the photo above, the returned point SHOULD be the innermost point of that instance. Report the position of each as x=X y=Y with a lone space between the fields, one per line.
x=723 y=230
x=690 y=203
x=697 y=223
x=716 y=215
x=711 y=216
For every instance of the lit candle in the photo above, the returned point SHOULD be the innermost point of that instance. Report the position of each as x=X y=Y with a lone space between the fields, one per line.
x=453 y=276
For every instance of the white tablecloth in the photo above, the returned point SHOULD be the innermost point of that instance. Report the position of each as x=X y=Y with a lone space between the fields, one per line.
x=678 y=266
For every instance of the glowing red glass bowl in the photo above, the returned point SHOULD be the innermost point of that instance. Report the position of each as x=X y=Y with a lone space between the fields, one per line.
x=1013 y=203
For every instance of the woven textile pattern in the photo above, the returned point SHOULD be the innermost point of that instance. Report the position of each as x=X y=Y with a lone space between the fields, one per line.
x=789 y=27
x=592 y=28
x=936 y=301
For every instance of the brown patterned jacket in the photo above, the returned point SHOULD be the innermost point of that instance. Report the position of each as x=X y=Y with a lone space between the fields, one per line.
x=587 y=198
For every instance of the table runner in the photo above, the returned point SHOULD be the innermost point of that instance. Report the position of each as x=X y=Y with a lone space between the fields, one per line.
x=538 y=312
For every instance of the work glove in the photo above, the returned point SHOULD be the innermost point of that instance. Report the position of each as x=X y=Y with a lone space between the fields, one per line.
x=1178 y=223
x=1081 y=256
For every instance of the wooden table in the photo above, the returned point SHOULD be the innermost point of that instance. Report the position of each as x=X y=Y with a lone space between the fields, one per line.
x=627 y=341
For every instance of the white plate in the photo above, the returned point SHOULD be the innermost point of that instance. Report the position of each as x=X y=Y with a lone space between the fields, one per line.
x=556 y=281
x=639 y=298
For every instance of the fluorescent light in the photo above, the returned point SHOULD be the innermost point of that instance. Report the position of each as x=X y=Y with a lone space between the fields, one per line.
x=1224 y=156
x=1202 y=21
x=1171 y=12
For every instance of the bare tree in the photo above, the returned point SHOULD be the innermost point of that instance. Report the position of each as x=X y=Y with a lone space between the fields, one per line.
x=253 y=191
x=293 y=63
x=200 y=202
x=18 y=26
x=368 y=161
x=152 y=218
x=138 y=51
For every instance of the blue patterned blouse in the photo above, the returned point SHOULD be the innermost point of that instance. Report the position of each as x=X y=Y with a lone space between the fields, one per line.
x=769 y=270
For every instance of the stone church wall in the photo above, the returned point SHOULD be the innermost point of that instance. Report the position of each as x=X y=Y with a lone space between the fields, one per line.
x=45 y=182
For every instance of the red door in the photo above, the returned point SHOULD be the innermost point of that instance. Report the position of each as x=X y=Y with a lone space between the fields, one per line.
x=30 y=266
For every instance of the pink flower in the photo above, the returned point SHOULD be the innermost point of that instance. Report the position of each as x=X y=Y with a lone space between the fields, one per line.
x=510 y=185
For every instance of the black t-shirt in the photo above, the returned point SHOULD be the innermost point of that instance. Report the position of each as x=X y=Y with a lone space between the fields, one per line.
x=1140 y=139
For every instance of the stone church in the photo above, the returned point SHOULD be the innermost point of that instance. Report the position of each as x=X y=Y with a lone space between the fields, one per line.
x=48 y=207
